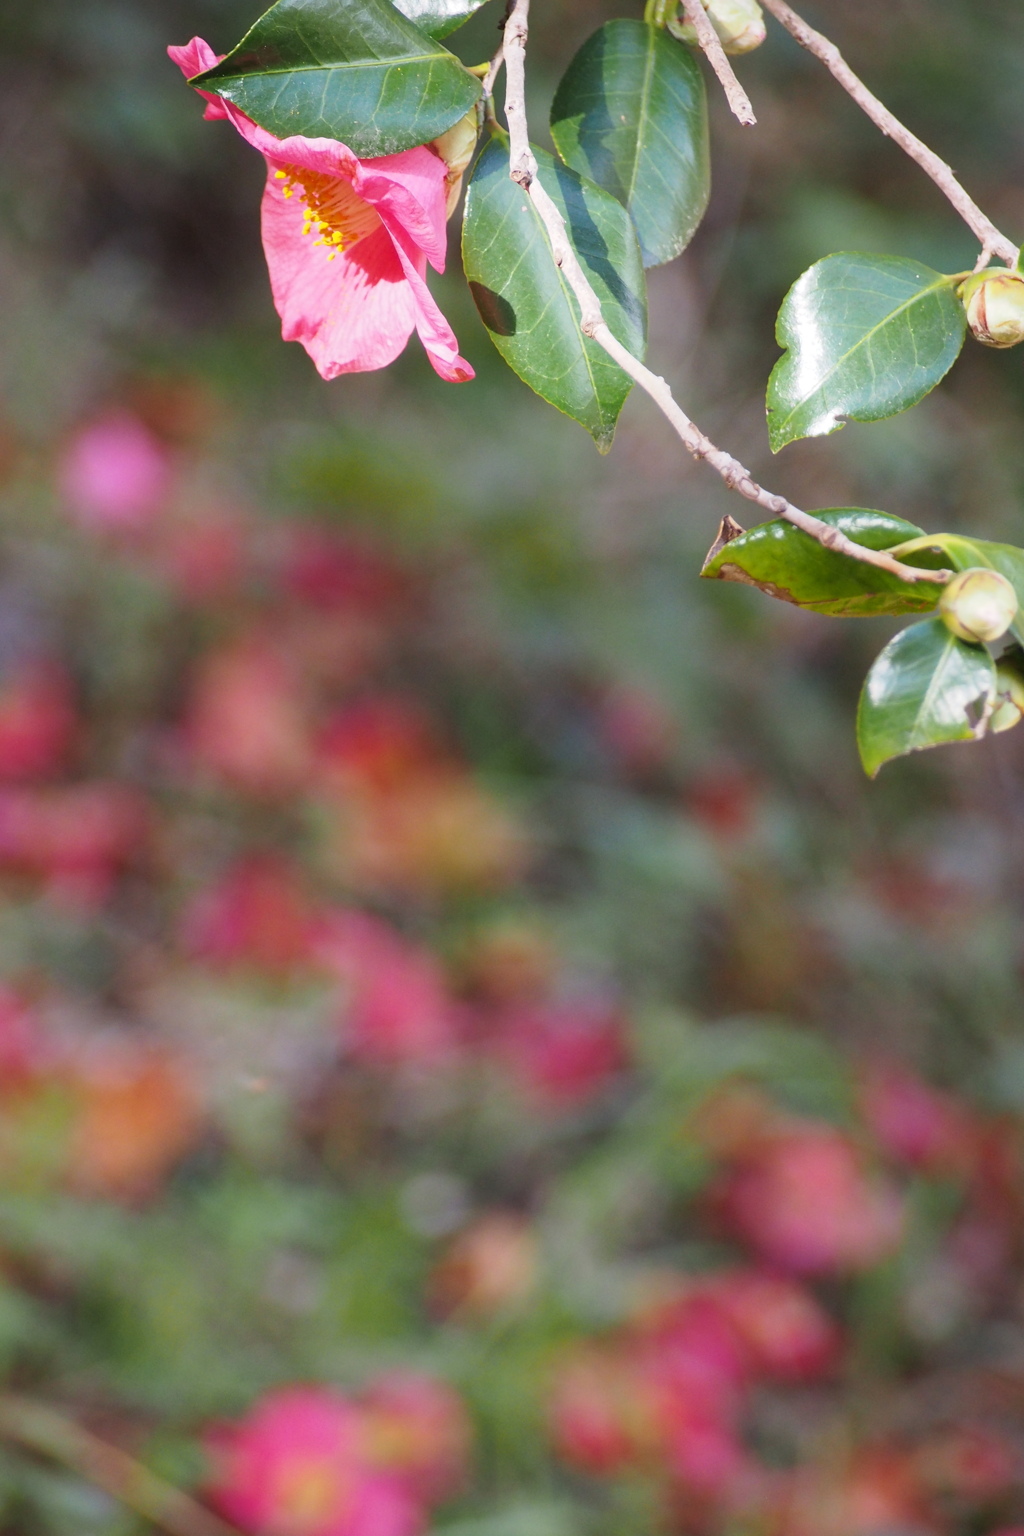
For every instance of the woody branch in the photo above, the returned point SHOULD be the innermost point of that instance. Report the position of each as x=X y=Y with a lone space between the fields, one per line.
x=993 y=241
x=523 y=170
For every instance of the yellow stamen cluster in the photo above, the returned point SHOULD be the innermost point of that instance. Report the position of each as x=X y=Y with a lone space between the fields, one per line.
x=333 y=210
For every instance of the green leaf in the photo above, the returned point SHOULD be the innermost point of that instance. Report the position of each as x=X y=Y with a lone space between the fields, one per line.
x=964 y=554
x=867 y=337
x=786 y=563
x=438 y=17
x=631 y=114
x=525 y=302
x=354 y=70
x=926 y=688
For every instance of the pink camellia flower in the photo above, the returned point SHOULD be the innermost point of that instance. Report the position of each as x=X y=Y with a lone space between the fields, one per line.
x=295 y=1466
x=246 y=720
x=603 y=1413
x=397 y=1005
x=789 y=1335
x=806 y=1203
x=115 y=475
x=257 y=914
x=915 y=1124
x=75 y=837
x=24 y=1047
x=37 y=721
x=416 y=1428
x=347 y=243
x=564 y=1052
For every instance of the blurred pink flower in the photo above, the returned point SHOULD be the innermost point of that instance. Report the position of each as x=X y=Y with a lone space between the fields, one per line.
x=397 y=1007
x=669 y=1396
x=295 y=1466
x=329 y=572
x=602 y=1413
x=416 y=1428
x=256 y=914
x=806 y=1203
x=24 y=1046
x=347 y=243
x=563 y=1053
x=914 y=1123
x=115 y=475
x=246 y=721
x=76 y=838
x=788 y=1334
x=37 y=721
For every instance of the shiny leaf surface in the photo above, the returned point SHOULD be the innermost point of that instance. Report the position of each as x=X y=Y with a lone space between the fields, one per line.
x=787 y=563
x=438 y=17
x=631 y=114
x=925 y=689
x=354 y=70
x=866 y=337
x=524 y=301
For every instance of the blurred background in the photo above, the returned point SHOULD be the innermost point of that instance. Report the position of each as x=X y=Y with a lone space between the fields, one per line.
x=475 y=1053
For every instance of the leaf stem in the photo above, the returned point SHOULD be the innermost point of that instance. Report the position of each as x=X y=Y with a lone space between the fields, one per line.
x=993 y=242
x=37 y=1427
x=523 y=171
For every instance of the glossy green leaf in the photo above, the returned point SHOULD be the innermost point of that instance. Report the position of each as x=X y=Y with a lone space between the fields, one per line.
x=788 y=564
x=926 y=688
x=866 y=337
x=524 y=301
x=631 y=114
x=354 y=70
x=962 y=554
x=438 y=17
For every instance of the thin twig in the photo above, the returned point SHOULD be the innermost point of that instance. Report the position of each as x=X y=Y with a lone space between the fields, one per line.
x=711 y=47
x=523 y=170
x=993 y=242
x=39 y=1428
x=492 y=72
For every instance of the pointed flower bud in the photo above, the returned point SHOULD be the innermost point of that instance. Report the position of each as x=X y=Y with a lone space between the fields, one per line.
x=456 y=147
x=739 y=24
x=978 y=605
x=994 y=302
x=1009 y=710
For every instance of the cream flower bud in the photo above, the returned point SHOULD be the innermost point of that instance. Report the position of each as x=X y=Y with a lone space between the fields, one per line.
x=739 y=24
x=1009 y=710
x=994 y=302
x=456 y=147
x=978 y=605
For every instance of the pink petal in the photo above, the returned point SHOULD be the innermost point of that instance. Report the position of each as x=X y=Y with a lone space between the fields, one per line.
x=351 y=314
x=192 y=60
x=436 y=334
x=355 y=312
x=410 y=185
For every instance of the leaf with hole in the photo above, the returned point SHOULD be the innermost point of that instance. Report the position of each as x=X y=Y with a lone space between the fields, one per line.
x=866 y=337
x=925 y=689
x=354 y=70
x=527 y=305
x=787 y=563
x=631 y=114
